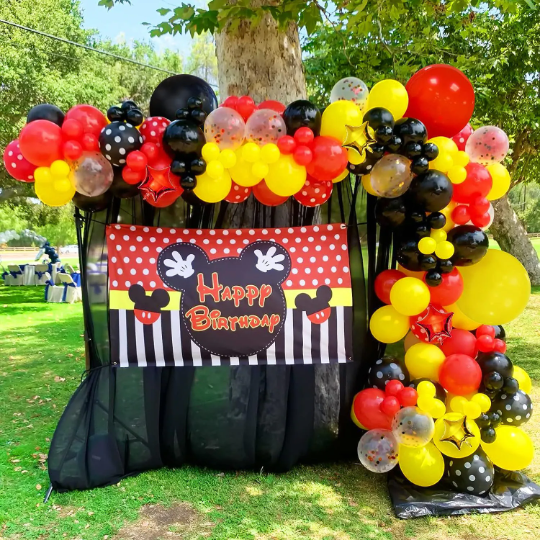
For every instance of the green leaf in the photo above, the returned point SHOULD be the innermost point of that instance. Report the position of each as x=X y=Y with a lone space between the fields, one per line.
x=163 y=11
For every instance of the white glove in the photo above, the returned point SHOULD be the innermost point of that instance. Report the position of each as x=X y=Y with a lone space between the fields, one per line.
x=268 y=261
x=179 y=267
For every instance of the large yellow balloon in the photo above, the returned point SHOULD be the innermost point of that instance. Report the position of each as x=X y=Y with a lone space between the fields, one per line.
x=285 y=177
x=523 y=379
x=423 y=360
x=423 y=466
x=495 y=290
x=212 y=190
x=409 y=296
x=458 y=429
x=512 y=450
x=338 y=115
x=388 y=326
x=459 y=319
x=241 y=172
x=501 y=181
x=390 y=95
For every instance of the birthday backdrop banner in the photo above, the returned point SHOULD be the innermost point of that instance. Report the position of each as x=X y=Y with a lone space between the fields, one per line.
x=243 y=296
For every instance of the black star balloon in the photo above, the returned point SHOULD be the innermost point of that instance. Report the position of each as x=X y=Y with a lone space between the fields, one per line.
x=387 y=369
x=514 y=409
x=117 y=140
x=473 y=474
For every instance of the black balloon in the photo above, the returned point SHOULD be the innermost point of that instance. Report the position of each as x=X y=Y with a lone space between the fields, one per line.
x=198 y=166
x=412 y=150
x=128 y=105
x=183 y=137
x=408 y=255
x=394 y=144
x=302 y=113
x=383 y=134
x=377 y=151
x=188 y=182
x=427 y=262
x=417 y=217
x=420 y=165
x=390 y=212
x=174 y=93
x=423 y=230
x=92 y=204
x=495 y=361
x=46 y=111
x=470 y=244
x=436 y=220
x=492 y=382
x=431 y=191
x=377 y=117
x=178 y=167
x=120 y=188
x=364 y=167
x=433 y=278
x=473 y=474
x=116 y=114
x=440 y=392
x=411 y=130
x=190 y=197
x=499 y=332
x=387 y=369
x=514 y=409
x=117 y=140
x=135 y=117
x=445 y=266
x=430 y=150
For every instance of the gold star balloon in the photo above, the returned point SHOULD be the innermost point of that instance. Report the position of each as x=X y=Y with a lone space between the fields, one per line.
x=456 y=435
x=358 y=142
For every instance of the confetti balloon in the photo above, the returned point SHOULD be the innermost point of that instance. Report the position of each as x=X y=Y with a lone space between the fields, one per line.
x=350 y=89
x=391 y=176
x=265 y=126
x=225 y=127
x=378 y=450
x=92 y=175
x=487 y=145
x=412 y=427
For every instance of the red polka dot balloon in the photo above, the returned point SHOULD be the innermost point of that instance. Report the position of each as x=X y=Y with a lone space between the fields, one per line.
x=153 y=128
x=315 y=192
x=16 y=164
x=238 y=194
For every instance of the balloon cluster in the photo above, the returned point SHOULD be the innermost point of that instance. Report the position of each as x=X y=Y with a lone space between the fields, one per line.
x=449 y=294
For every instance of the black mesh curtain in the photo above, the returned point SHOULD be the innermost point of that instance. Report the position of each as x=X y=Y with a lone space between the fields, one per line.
x=122 y=421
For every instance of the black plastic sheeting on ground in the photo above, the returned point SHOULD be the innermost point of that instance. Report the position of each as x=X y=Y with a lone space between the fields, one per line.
x=510 y=490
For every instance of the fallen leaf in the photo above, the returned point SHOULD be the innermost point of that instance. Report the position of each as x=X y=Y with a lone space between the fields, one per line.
x=38 y=486
x=59 y=379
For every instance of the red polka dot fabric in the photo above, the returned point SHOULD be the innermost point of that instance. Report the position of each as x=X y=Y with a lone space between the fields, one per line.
x=319 y=253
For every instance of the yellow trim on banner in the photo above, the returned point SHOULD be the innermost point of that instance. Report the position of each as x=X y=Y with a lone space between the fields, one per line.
x=340 y=297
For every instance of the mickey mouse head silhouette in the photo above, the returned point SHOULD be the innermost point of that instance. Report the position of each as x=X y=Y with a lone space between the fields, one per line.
x=317 y=309
x=148 y=308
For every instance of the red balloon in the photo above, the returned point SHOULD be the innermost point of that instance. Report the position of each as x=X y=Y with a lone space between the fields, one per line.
x=485 y=330
x=137 y=161
x=408 y=397
x=441 y=97
x=90 y=142
x=238 y=194
x=329 y=158
x=460 y=374
x=461 y=215
x=479 y=206
x=462 y=137
x=384 y=282
x=150 y=150
x=461 y=342
x=304 y=135
x=271 y=104
x=499 y=346
x=481 y=221
x=314 y=192
x=153 y=128
x=485 y=343
x=165 y=199
x=449 y=290
x=16 y=164
x=393 y=387
x=72 y=129
x=72 y=150
x=133 y=177
x=41 y=142
x=302 y=155
x=390 y=406
x=286 y=144
x=433 y=325
x=367 y=409
x=477 y=183
x=231 y=102
x=92 y=119
x=265 y=196
x=245 y=106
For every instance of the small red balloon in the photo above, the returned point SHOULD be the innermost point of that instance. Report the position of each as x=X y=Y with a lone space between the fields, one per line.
x=393 y=387
x=273 y=105
x=485 y=330
x=462 y=137
x=499 y=346
x=16 y=164
x=461 y=215
x=133 y=177
x=137 y=161
x=460 y=374
x=408 y=397
x=449 y=290
x=72 y=129
x=231 y=102
x=390 y=406
x=265 y=196
x=91 y=119
x=286 y=144
x=481 y=221
x=304 y=135
x=329 y=159
x=461 y=342
x=485 y=343
x=238 y=194
x=302 y=155
x=367 y=409
x=477 y=183
x=384 y=283
x=441 y=97
x=246 y=107
x=479 y=206
x=90 y=142
x=41 y=142
x=150 y=150
x=72 y=150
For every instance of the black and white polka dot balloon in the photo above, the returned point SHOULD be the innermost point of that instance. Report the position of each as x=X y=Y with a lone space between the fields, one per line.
x=472 y=475
x=387 y=369
x=514 y=409
x=117 y=140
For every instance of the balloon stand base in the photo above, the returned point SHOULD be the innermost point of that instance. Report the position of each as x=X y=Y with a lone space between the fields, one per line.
x=510 y=490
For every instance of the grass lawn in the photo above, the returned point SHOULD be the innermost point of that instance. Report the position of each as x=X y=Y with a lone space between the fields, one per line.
x=41 y=360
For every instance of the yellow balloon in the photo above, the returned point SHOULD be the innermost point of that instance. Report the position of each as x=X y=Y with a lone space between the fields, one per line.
x=427 y=245
x=438 y=409
x=354 y=157
x=472 y=410
x=451 y=426
x=458 y=403
x=439 y=235
x=366 y=184
x=251 y=152
x=390 y=95
x=447 y=211
x=50 y=196
x=285 y=177
x=215 y=169
x=270 y=153
x=495 y=290
x=461 y=159
x=356 y=421
x=444 y=250
x=512 y=450
x=483 y=401
x=447 y=150
x=342 y=176
x=387 y=325
x=424 y=360
x=227 y=158
x=457 y=174
x=259 y=169
x=42 y=174
x=427 y=389
x=338 y=115
x=212 y=190
x=459 y=319
x=59 y=168
x=501 y=181
x=523 y=379
x=423 y=466
x=241 y=171
x=210 y=151
x=409 y=296
x=410 y=340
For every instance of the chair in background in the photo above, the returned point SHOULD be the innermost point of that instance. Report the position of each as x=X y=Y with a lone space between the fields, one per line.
x=15 y=276
x=42 y=275
x=71 y=292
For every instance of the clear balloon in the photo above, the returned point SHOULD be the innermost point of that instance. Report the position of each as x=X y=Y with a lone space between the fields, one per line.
x=391 y=176
x=378 y=451
x=92 y=174
x=487 y=145
x=265 y=126
x=350 y=89
x=412 y=427
x=225 y=127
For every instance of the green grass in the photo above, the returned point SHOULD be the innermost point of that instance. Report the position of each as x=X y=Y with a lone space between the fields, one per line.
x=41 y=359
x=74 y=261
x=534 y=241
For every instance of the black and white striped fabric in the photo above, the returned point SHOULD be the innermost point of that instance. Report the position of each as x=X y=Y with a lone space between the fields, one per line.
x=167 y=342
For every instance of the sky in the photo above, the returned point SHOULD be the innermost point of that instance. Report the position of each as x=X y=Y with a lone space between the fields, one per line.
x=125 y=21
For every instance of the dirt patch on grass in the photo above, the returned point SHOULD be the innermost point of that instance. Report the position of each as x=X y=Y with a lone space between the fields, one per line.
x=158 y=522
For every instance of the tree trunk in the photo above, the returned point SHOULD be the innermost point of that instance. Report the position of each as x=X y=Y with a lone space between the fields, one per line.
x=512 y=237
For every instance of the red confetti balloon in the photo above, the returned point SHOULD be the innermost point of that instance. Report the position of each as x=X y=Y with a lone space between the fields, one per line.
x=384 y=283
x=92 y=119
x=477 y=184
x=329 y=159
x=314 y=192
x=271 y=104
x=367 y=409
x=153 y=128
x=16 y=164
x=462 y=137
x=449 y=290
x=238 y=194
x=265 y=196
x=461 y=342
x=460 y=374
x=441 y=97
x=41 y=142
